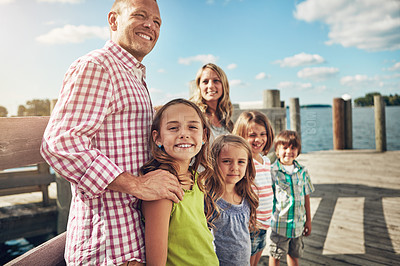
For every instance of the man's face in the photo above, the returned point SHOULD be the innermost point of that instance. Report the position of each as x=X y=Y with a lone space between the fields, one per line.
x=137 y=27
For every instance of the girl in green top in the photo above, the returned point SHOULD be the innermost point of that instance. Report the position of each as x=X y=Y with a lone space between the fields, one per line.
x=177 y=234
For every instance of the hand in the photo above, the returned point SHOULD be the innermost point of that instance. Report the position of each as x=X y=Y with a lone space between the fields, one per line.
x=155 y=185
x=307 y=228
x=158 y=184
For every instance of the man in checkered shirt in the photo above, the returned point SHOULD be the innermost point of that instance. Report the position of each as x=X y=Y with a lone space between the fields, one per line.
x=97 y=139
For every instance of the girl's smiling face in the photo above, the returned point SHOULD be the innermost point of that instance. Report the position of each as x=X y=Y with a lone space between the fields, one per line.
x=257 y=137
x=232 y=162
x=181 y=133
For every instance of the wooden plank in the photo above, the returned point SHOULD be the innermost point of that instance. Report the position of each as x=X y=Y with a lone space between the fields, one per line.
x=15 y=180
x=19 y=190
x=20 y=140
x=49 y=253
x=27 y=220
x=392 y=220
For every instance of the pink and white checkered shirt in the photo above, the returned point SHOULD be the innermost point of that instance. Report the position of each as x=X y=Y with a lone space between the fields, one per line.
x=99 y=129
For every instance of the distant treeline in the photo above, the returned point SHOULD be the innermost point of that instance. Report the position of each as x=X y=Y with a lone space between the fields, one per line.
x=35 y=107
x=316 y=106
x=368 y=100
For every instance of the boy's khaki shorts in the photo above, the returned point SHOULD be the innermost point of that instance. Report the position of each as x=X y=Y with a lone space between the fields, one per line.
x=280 y=246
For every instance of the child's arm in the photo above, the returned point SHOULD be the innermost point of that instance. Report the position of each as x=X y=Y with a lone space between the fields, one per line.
x=156 y=214
x=307 y=226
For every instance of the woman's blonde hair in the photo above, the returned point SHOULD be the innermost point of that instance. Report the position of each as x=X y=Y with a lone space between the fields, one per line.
x=243 y=123
x=162 y=160
x=224 y=108
x=215 y=184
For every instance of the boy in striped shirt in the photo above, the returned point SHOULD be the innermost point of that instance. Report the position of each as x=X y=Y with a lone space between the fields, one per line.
x=291 y=218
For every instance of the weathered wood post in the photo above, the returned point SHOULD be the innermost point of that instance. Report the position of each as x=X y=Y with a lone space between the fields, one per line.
x=380 y=123
x=63 y=195
x=271 y=99
x=44 y=168
x=338 y=124
x=294 y=111
x=348 y=124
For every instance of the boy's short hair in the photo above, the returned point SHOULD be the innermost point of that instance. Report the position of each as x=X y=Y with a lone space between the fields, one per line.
x=288 y=138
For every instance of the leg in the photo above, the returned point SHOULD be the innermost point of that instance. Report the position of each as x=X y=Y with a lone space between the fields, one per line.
x=255 y=258
x=292 y=261
x=279 y=247
x=273 y=261
x=296 y=247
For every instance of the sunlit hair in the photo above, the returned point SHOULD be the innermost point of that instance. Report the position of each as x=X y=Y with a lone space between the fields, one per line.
x=215 y=185
x=120 y=5
x=224 y=108
x=288 y=138
x=242 y=126
x=162 y=160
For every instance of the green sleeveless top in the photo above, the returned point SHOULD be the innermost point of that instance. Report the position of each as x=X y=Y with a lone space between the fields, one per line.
x=190 y=242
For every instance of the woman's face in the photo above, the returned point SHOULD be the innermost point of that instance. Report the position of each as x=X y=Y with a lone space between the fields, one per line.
x=210 y=86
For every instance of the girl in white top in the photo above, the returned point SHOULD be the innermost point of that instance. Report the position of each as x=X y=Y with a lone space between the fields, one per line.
x=257 y=130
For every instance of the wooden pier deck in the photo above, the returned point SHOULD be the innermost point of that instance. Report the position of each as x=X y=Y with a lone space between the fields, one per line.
x=355 y=208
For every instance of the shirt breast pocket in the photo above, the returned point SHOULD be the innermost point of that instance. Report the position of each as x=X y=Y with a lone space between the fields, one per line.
x=283 y=191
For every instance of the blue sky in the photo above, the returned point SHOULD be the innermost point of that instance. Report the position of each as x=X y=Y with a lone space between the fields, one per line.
x=315 y=50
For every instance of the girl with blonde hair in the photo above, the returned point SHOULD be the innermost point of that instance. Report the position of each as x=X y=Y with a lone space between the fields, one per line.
x=212 y=96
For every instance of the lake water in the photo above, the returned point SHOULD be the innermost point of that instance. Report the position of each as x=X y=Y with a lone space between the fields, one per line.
x=317 y=133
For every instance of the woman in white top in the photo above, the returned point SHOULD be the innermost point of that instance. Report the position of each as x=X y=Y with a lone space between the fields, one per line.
x=212 y=96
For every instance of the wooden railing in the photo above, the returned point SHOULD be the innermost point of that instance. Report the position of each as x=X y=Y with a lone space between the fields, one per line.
x=20 y=139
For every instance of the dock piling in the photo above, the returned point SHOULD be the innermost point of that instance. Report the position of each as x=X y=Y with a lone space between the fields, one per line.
x=380 y=123
x=348 y=124
x=271 y=99
x=338 y=124
x=294 y=111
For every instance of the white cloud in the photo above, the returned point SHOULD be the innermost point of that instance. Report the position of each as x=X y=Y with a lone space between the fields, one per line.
x=231 y=66
x=366 y=24
x=318 y=73
x=160 y=97
x=294 y=85
x=73 y=34
x=61 y=1
x=301 y=59
x=161 y=70
x=395 y=67
x=298 y=86
x=261 y=75
x=236 y=82
x=5 y=2
x=204 y=59
x=360 y=81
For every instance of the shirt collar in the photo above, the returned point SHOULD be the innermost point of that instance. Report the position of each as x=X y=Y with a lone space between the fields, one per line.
x=127 y=59
x=297 y=166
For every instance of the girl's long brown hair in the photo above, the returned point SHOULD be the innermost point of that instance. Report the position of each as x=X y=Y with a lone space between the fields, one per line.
x=215 y=185
x=161 y=160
